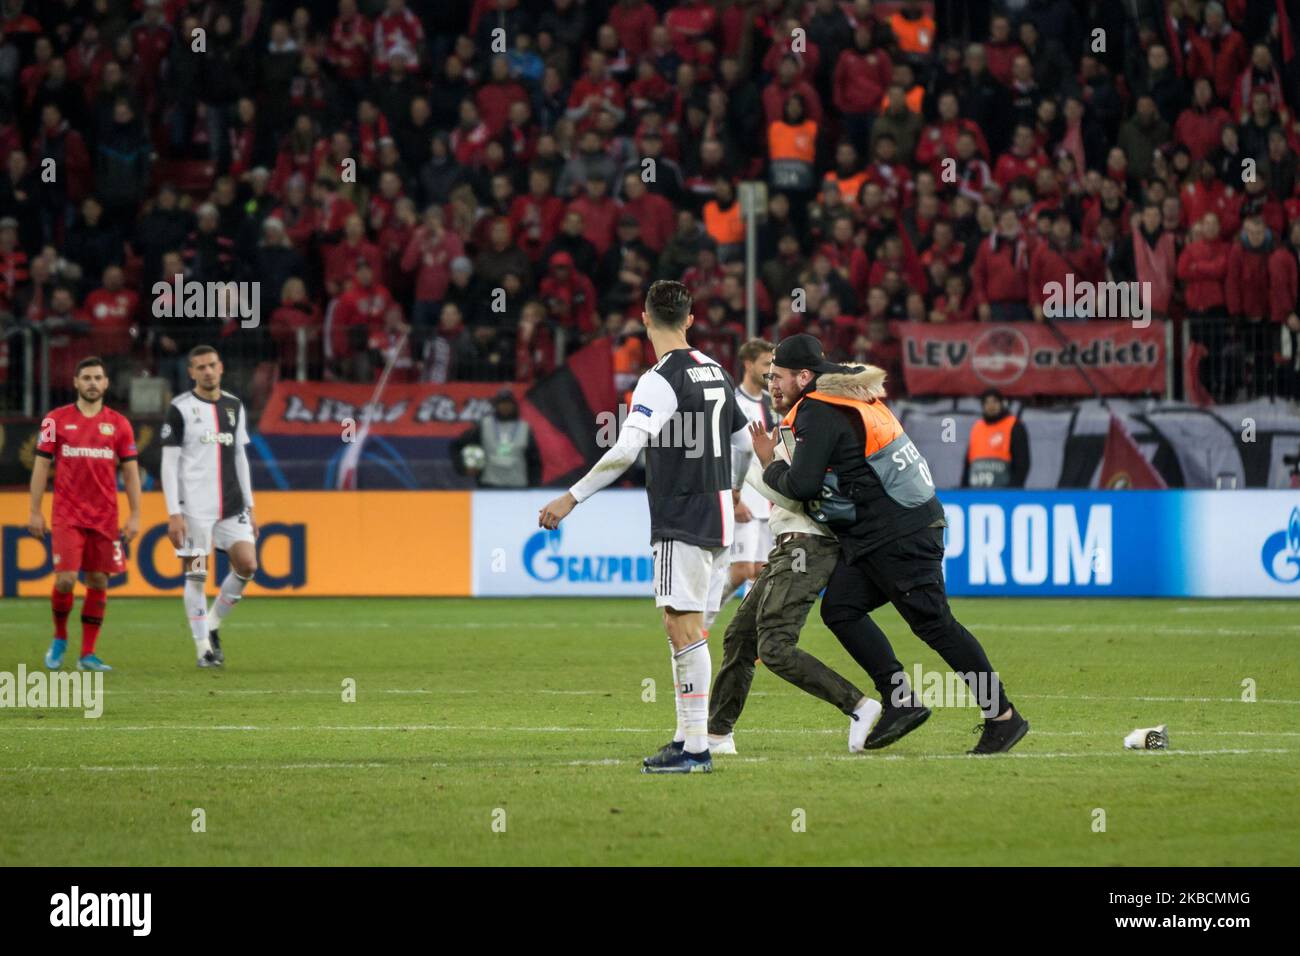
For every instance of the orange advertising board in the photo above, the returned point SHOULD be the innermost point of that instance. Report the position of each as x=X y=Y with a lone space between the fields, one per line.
x=311 y=543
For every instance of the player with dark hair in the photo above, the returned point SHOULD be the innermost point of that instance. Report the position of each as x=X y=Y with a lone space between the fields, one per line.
x=90 y=441
x=209 y=492
x=683 y=410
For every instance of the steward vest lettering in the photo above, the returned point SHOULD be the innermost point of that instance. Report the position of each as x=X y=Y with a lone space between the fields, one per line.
x=903 y=471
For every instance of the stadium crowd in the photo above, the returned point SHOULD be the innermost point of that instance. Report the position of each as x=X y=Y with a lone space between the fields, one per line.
x=524 y=168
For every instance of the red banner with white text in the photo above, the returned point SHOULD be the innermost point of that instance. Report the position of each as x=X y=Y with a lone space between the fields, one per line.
x=427 y=410
x=1031 y=358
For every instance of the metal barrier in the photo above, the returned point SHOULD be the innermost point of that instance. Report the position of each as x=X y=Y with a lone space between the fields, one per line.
x=1234 y=360
x=26 y=382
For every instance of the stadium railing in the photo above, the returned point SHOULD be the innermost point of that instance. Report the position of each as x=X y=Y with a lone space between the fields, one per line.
x=1233 y=360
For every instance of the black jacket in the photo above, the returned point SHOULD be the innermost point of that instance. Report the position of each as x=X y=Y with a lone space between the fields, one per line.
x=831 y=438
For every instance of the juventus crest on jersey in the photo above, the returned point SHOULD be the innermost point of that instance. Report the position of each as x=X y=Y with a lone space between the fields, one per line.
x=207 y=433
x=687 y=403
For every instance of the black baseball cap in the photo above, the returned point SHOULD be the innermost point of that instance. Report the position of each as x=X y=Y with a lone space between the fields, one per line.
x=803 y=351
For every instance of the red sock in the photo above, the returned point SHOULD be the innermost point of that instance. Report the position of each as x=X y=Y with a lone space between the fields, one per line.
x=92 y=618
x=61 y=604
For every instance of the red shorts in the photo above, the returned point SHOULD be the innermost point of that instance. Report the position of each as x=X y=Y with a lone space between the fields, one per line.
x=85 y=549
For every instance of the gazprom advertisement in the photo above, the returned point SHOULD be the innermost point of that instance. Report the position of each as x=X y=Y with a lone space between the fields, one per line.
x=1010 y=543
x=601 y=548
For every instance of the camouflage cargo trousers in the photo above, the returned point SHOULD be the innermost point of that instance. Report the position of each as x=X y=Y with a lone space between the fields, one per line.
x=767 y=626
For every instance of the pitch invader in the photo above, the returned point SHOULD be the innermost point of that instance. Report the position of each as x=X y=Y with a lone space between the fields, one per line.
x=87 y=442
x=753 y=536
x=209 y=492
x=683 y=411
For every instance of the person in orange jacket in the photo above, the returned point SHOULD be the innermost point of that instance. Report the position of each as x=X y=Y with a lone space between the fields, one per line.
x=997 y=455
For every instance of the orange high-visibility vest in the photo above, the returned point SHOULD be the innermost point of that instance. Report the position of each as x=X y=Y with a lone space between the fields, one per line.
x=914 y=99
x=913 y=36
x=989 y=456
x=879 y=424
x=627 y=357
x=849 y=186
x=724 y=225
x=901 y=470
x=991 y=441
x=792 y=142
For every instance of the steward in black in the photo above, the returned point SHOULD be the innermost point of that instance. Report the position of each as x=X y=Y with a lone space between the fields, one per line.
x=857 y=472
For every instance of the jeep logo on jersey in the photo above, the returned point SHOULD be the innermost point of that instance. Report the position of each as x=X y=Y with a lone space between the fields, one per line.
x=217 y=438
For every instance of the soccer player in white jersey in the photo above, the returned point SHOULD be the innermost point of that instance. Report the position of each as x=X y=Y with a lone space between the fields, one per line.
x=684 y=415
x=209 y=492
x=753 y=538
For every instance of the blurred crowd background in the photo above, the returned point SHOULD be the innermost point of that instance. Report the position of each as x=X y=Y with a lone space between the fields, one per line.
x=475 y=189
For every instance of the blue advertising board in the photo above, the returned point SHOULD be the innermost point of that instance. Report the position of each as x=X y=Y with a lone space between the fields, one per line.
x=998 y=543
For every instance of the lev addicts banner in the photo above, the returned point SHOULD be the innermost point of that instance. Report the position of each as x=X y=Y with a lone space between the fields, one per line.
x=1030 y=358
x=423 y=409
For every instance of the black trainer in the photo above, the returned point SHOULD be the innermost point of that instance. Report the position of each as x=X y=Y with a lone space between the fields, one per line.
x=217 y=654
x=896 y=723
x=665 y=753
x=999 y=736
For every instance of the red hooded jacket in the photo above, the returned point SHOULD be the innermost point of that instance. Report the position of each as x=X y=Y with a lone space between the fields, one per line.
x=1247 y=282
x=1001 y=270
x=1202 y=269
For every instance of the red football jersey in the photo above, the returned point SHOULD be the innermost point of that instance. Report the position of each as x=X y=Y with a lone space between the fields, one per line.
x=85 y=452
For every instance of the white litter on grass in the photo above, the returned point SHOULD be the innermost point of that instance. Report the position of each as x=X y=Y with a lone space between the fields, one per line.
x=1148 y=738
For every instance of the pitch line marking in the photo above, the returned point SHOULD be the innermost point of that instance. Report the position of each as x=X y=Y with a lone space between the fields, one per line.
x=1158 y=700
x=1231 y=751
x=460 y=728
x=1234 y=751
x=200 y=768
x=416 y=626
x=1155 y=629
x=244 y=691
x=217 y=692
x=611 y=761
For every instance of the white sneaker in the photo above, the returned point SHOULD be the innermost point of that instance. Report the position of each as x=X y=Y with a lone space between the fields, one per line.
x=722 y=745
x=860 y=724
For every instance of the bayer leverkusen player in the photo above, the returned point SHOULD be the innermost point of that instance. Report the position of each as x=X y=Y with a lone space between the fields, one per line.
x=86 y=442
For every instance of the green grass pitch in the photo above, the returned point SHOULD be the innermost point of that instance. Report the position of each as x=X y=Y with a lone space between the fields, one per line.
x=471 y=713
